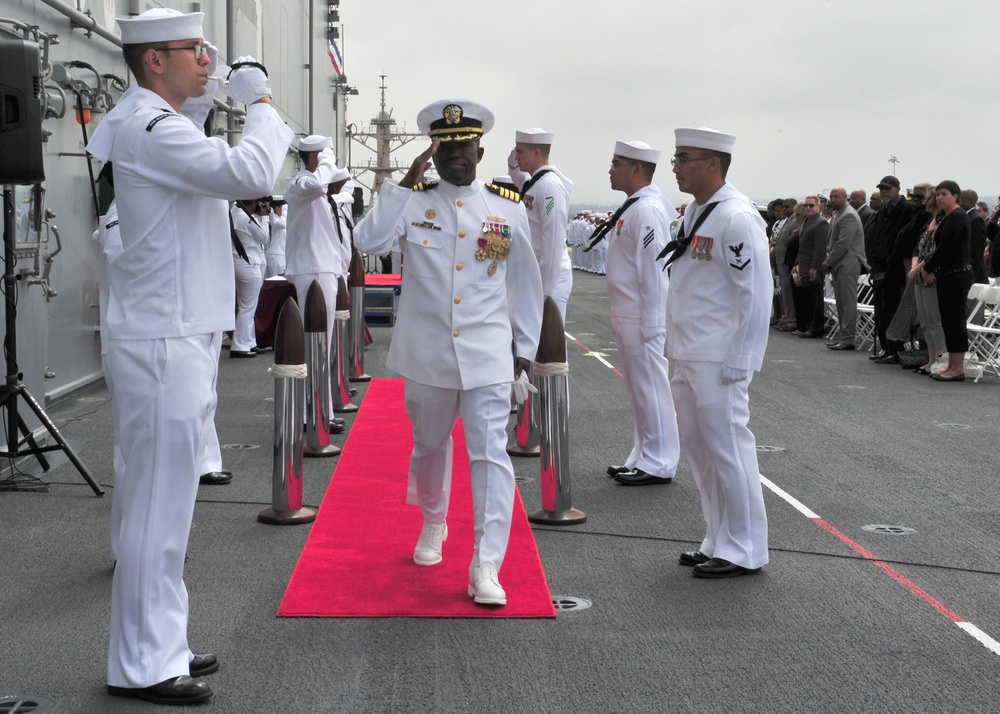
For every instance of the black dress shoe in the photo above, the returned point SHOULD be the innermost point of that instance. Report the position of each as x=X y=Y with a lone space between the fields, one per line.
x=956 y=378
x=216 y=478
x=693 y=557
x=638 y=477
x=177 y=690
x=237 y=354
x=842 y=346
x=615 y=470
x=203 y=664
x=262 y=350
x=812 y=334
x=337 y=428
x=892 y=358
x=719 y=568
x=877 y=355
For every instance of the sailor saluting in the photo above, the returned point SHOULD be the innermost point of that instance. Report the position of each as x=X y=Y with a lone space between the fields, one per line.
x=171 y=291
x=471 y=285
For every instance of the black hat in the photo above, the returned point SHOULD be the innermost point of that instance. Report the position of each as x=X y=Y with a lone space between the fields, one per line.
x=888 y=182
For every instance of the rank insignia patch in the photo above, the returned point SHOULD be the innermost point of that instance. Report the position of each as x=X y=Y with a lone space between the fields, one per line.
x=739 y=261
x=649 y=237
x=550 y=203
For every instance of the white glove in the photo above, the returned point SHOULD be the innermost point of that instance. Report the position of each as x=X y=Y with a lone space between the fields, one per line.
x=512 y=164
x=248 y=84
x=731 y=375
x=522 y=387
x=213 y=56
x=328 y=155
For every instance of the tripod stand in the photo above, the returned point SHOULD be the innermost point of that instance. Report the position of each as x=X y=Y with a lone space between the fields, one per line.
x=12 y=387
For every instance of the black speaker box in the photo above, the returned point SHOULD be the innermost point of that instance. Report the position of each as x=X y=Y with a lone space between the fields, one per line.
x=20 y=113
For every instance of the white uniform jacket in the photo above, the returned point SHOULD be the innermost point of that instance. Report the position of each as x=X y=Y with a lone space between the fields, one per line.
x=547 y=205
x=277 y=225
x=170 y=280
x=453 y=328
x=637 y=284
x=252 y=232
x=719 y=308
x=312 y=244
x=344 y=201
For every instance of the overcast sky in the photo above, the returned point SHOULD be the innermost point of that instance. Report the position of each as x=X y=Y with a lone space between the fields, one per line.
x=818 y=94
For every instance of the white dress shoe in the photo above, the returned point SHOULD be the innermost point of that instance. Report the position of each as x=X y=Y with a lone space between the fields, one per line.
x=428 y=550
x=485 y=588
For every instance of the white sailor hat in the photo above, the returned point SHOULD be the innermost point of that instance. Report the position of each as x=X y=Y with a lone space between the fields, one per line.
x=161 y=25
x=705 y=139
x=534 y=136
x=342 y=175
x=502 y=179
x=637 y=151
x=315 y=142
x=455 y=120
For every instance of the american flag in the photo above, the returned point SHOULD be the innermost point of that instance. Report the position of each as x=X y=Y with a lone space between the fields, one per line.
x=335 y=58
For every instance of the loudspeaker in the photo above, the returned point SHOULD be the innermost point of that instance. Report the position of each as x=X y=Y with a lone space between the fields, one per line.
x=20 y=113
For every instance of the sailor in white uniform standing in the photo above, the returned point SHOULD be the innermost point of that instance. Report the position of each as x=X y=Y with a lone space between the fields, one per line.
x=467 y=257
x=637 y=295
x=545 y=193
x=717 y=320
x=312 y=243
x=171 y=291
x=251 y=230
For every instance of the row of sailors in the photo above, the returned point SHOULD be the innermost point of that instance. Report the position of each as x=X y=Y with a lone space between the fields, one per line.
x=581 y=228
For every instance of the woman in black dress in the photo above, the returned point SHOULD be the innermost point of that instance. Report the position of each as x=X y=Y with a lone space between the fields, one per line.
x=950 y=268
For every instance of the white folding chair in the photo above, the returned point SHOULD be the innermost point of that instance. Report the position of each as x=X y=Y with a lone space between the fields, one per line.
x=984 y=340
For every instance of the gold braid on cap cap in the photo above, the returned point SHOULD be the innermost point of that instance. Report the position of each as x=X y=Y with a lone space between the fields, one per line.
x=456 y=133
x=504 y=192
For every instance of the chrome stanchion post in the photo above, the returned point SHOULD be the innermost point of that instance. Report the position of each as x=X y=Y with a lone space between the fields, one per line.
x=289 y=371
x=317 y=392
x=356 y=362
x=340 y=351
x=526 y=429
x=551 y=379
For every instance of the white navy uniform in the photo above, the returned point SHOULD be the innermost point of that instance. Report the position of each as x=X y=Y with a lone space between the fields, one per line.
x=342 y=203
x=717 y=316
x=171 y=291
x=253 y=236
x=312 y=245
x=274 y=254
x=637 y=294
x=453 y=335
x=547 y=205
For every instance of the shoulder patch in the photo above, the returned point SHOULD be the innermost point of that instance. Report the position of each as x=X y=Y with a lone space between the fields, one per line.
x=158 y=119
x=504 y=192
x=425 y=186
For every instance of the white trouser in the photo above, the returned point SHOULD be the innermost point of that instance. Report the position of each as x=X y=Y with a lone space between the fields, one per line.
x=722 y=452
x=328 y=282
x=117 y=465
x=561 y=295
x=275 y=265
x=249 y=279
x=655 y=443
x=485 y=412
x=164 y=405
x=211 y=459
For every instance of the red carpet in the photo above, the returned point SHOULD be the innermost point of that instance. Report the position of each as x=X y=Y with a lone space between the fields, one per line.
x=358 y=559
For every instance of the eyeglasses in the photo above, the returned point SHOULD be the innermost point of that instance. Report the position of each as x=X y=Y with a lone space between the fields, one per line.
x=681 y=160
x=198 y=49
x=809 y=205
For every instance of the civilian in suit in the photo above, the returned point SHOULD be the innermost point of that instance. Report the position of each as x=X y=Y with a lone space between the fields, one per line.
x=977 y=238
x=888 y=278
x=812 y=250
x=845 y=257
x=859 y=202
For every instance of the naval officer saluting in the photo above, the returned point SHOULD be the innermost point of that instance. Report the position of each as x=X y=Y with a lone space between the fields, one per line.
x=637 y=296
x=545 y=193
x=171 y=290
x=470 y=286
x=717 y=319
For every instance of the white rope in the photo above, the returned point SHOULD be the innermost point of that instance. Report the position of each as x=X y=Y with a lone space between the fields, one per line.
x=549 y=369
x=342 y=314
x=281 y=371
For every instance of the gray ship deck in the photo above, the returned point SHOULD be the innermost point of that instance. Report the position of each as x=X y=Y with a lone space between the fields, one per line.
x=820 y=630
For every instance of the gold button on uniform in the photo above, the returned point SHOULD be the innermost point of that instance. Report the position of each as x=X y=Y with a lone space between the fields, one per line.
x=459 y=204
x=455 y=333
x=458 y=267
x=461 y=234
x=458 y=300
x=425 y=241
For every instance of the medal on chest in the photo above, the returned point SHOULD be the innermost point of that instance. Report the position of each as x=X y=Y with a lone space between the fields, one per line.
x=701 y=247
x=494 y=242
